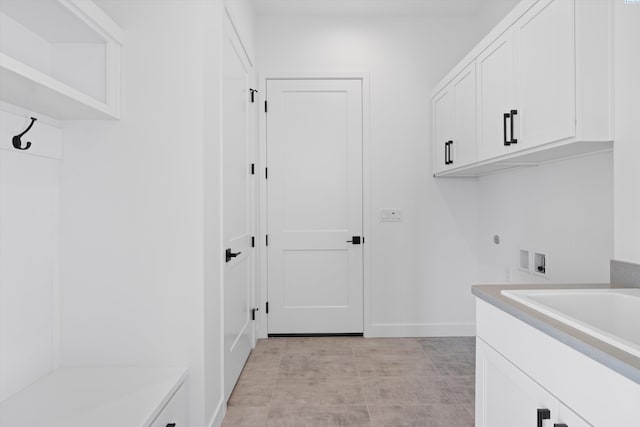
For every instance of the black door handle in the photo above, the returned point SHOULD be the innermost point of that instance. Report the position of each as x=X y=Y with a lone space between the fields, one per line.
x=543 y=414
x=450 y=158
x=513 y=114
x=228 y=255
x=504 y=128
x=355 y=240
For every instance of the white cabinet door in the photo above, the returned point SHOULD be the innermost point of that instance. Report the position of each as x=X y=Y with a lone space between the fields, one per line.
x=496 y=91
x=569 y=418
x=505 y=396
x=546 y=69
x=442 y=105
x=463 y=150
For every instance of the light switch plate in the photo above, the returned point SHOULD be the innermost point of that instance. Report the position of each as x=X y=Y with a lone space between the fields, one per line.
x=390 y=215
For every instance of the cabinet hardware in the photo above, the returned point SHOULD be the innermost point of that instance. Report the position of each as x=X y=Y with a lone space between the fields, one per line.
x=513 y=114
x=560 y=425
x=543 y=414
x=253 y=313
x=504 y=129
x=253 y=92
x=354 y=240
x=228 y=255
x=171 y=425
x=446 y=153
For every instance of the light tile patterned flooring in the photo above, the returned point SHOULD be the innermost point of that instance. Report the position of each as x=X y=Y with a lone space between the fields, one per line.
x=354 y=382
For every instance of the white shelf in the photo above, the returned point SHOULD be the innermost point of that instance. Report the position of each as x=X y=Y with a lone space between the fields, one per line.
x=29 y=88
x=96 y=397
x=60 y=58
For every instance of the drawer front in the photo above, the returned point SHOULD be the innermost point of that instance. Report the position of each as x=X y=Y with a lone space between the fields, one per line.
x=175 y=413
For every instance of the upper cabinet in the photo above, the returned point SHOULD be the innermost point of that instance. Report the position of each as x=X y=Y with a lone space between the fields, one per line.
x=454 y=117
x=60 y=58
x=543 y=88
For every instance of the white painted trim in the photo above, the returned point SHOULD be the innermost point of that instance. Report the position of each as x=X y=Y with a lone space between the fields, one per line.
x=218 y=414
x=396 y=330
x=96 y=19
x=365 y=78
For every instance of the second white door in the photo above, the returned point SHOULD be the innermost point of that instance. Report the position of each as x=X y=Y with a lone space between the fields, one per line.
x=314 y=198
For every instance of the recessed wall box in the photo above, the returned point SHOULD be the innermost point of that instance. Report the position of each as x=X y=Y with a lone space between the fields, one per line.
x=541 y=264
x=524 y=261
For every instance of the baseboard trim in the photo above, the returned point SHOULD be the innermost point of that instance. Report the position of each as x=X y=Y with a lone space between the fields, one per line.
x=345 y=334
x=399 y=330
x=218 y=414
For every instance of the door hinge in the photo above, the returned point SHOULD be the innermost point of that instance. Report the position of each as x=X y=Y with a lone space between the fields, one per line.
x=253 y=241
x=265 y=106
x=253 y=92
x=267 y=307
x=266 y=239
x=253 y=313
x=253 y=168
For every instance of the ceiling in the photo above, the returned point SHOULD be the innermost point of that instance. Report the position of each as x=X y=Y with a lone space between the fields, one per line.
x=436 y=8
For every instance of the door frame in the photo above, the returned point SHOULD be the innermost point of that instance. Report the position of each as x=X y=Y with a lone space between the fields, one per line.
x=262 y=285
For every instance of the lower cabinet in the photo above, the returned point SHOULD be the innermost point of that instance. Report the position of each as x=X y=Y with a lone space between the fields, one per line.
x=507 y=397
x=174 y=414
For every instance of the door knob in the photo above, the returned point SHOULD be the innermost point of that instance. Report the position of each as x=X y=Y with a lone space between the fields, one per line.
x=228 y=255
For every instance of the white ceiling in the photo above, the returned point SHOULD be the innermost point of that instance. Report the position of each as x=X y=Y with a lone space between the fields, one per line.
x=437 y=8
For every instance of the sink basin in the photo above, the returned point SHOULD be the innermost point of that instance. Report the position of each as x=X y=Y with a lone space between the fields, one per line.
x=611 y=315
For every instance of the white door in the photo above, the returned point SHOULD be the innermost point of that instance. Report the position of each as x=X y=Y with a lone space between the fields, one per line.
x=545 y=46
x=314 y=198
x=237 y=205
x=497 y=96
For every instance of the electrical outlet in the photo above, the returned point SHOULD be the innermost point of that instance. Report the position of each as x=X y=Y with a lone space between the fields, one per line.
x=390 y=215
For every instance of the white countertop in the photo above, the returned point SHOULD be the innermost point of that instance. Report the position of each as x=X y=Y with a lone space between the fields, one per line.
x=93 y=397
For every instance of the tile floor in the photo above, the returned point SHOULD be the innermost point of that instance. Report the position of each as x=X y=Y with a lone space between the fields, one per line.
x=390 y=382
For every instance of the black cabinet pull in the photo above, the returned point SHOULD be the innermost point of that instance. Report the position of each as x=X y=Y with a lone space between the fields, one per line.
x=513 y=114
x=446 y=153
x=171 y=425
x=504 y=129
x=543 y=414
x=228 y=255
x=560 y=425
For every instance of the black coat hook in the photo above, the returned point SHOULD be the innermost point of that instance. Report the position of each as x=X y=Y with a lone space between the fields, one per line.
x=17 y=140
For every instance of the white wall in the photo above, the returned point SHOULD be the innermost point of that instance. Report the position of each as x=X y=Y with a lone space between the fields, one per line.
x=422 y=268
x=29 y=252
x=563 y=208
x=140 y=211
x=627 y=133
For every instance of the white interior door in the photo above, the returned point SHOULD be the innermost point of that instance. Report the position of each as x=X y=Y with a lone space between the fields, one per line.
x=237 y=206
x=314 y=198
